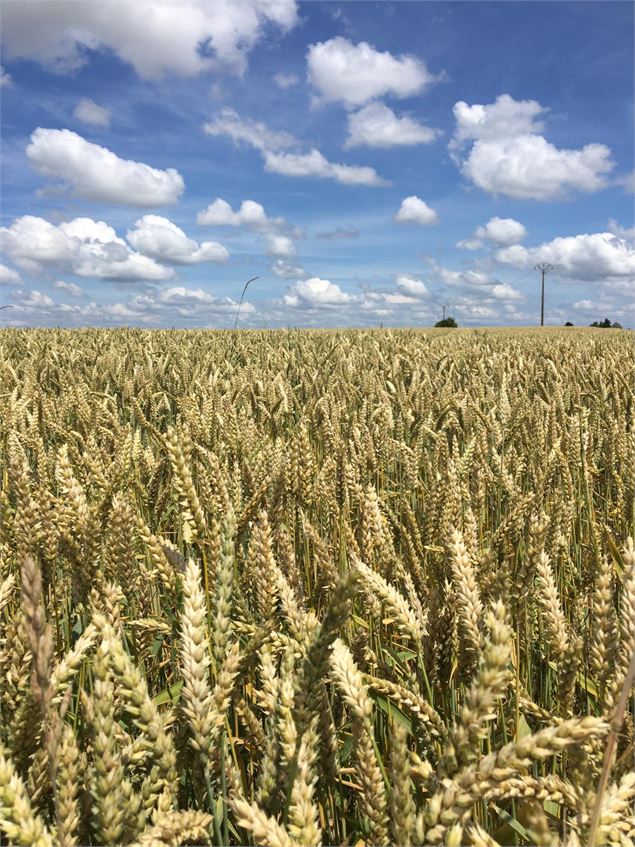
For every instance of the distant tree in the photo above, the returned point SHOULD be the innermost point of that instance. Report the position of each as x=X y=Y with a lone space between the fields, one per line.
x=568 y=323
x=447 y=322
x=606 y=324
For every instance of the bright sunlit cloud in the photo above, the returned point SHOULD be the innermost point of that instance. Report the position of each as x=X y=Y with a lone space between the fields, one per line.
x=367 y=163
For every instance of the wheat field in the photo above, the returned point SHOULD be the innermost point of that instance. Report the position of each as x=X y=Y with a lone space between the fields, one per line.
x=302 y=588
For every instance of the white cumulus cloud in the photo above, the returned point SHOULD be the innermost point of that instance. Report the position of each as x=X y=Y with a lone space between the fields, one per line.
x=353 y=74
x=180 y=294
x=410 y=286
x=586 y=305
x=96 y=173
x=228 y=122
x=163 y=240
x=376 y=125
x=314 y=164
x=315 y=293
x=469 y=244
x=278 y=237
x=285 y=81
x=591 y=257
x=504 y=291
x=499 y=231
x=5 y=78
x=280 y=246
x=250 y=214
x=507 y=155
x=286 y=270
x=8 y=276
x=530 y=167
x=190 y=303
x=627 y=181
x=415 y=210
x=616 y=228
x=82 y=246
x=273 y=145
x=88 y=112
x=156 y=307
x=475 y=283
x=36 y=298
x=504 y=117
x=69 y=288
x=465 y=278
x=388 y=298
x=155 y=37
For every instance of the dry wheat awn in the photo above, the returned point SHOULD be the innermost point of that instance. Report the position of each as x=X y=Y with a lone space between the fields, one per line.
x=302 y=588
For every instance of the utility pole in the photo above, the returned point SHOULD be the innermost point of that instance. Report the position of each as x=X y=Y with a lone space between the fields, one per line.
x=543 y=267
x=445 y=306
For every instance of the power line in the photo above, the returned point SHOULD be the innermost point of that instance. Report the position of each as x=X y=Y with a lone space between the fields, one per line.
x=519 y=276
x=558 y=269
x=591 y=268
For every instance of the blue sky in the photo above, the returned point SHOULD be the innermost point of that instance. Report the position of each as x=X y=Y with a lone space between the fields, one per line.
x=368 y=161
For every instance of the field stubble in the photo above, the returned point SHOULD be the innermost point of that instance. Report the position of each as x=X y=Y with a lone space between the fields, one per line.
x=303 y=588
